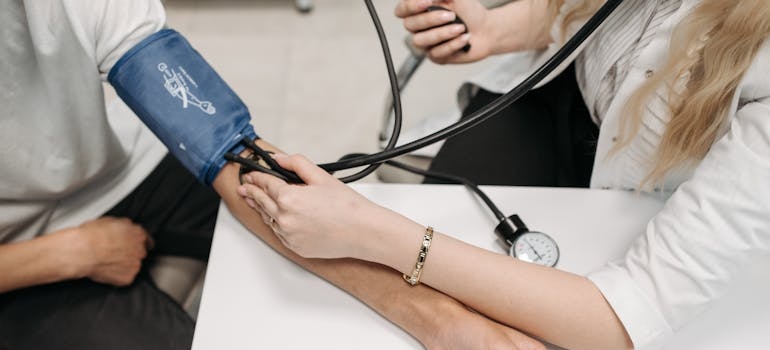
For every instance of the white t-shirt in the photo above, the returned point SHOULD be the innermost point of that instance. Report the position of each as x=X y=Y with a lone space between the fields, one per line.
x=65 y=159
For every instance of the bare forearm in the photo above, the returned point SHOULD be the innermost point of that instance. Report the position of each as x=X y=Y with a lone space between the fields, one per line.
x=556 y=306
x=562 y=308
x=376 y=285
x=35 y=262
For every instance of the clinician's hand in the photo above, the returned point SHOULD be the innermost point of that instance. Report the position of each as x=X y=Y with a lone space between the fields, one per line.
x=109 y=250
x=517 y=26
x=442 y=43
x=322 y=219
x=327 y=219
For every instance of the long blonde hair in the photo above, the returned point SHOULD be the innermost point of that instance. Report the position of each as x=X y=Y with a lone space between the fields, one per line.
x=710 y=51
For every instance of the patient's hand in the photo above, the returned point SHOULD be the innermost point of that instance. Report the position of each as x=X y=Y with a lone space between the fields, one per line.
x=108 y=250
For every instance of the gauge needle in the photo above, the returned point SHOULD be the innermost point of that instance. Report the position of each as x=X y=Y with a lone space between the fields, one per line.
x=539 y=257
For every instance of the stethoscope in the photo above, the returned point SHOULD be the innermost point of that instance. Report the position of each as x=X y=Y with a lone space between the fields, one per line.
x=524 y=244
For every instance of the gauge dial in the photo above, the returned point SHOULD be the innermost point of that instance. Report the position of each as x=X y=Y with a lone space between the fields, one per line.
x=537 y=248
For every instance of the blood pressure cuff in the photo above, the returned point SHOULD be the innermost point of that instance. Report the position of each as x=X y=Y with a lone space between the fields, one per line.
x=183 y=101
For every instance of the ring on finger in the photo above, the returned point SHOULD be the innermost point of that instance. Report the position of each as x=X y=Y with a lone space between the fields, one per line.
x=273 y=224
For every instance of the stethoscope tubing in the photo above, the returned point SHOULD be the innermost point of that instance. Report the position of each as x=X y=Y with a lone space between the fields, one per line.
x=483 y=113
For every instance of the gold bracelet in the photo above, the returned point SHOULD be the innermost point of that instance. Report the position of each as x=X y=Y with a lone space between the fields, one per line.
x=414 y=279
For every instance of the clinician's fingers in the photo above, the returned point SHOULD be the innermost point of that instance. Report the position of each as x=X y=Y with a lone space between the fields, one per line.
x=249 y=201
x=304 y=168
x=268 y=183
x=446 y=50
x=262 y=200
x=428 y=20
x=411 y=7
x=269 y=221
x=430 y=38
x=273 y=225
x=282 y=239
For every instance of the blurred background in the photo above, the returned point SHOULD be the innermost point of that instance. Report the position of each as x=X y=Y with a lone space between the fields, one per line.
x=315 y=82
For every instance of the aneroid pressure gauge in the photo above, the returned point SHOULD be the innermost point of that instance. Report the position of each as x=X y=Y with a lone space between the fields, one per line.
x=530 y=246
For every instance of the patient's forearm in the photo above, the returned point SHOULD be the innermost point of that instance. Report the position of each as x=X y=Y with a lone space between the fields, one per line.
x=38 y=261
x=378 y=286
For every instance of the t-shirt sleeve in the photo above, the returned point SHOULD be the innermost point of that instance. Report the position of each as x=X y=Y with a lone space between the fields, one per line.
x=713 y=225
x=111 y=27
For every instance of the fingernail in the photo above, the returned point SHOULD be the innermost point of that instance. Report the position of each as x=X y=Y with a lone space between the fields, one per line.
x=447 y=16
x=458 y=28
x=242 y=191
x=466 y=37
x=247 y=178
x=250 y=202
x=279 y=155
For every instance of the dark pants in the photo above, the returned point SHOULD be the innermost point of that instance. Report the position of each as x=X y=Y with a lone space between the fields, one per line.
x=180 y=213
x=546 y=138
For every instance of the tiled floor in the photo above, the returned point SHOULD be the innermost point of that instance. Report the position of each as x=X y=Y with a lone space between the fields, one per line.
x=315 y=83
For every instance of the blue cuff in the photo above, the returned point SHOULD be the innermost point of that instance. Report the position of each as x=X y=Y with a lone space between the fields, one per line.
x=180 y=97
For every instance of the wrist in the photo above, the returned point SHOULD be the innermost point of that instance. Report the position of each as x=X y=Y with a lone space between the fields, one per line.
x=73 y=253
x=395 y=242
x=519 y=26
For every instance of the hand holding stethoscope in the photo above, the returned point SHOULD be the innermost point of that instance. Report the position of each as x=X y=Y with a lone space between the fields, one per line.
x=446 y=30
x=527 y=245
x=372 y=161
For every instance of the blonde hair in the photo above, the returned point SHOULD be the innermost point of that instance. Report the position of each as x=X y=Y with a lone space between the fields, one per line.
x=710 y=51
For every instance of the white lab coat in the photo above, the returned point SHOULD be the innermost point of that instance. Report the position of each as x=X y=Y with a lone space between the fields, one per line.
x=716 y=219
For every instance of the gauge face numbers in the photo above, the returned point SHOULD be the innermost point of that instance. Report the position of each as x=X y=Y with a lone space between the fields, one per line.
x=537 y=248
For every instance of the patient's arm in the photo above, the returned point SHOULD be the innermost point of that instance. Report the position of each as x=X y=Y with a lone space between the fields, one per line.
x=436 y=320
x=106 y=250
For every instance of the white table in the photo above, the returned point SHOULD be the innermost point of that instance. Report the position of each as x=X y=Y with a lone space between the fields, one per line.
x=255 y=299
